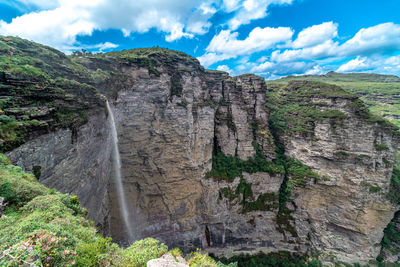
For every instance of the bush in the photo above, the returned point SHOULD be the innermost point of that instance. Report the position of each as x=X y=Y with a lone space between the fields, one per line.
x=394 y=189
x=199 y=259
x=99 y=253
x=140 y=252
x=16 y=186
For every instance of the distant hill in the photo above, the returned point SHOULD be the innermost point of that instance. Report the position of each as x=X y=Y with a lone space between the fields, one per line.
x=380 y=92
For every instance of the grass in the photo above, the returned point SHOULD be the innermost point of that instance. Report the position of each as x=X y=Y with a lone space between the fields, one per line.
x=378 y=92
x=37 y=77
x=294 y=113
x=277 y=259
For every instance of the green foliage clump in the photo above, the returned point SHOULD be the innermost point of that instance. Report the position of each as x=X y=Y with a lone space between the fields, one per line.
x=140 y=252
x=200 y=259
x=298 y=172
x=176 y=87
x=98 y=253
x=278 y=259
x=381 y=147
x=16 y=186
x=391 y=240
x=228 y=167
x=176 y=252
x=372 y=188
x=394 y=190
x=341 y=153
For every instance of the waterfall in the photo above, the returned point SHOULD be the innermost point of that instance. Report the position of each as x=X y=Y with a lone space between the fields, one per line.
x=117 y=174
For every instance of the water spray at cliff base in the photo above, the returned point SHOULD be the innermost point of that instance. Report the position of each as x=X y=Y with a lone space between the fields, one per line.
x=117 y=174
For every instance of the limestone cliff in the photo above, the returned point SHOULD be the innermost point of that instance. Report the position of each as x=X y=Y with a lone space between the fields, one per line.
x=224 y=163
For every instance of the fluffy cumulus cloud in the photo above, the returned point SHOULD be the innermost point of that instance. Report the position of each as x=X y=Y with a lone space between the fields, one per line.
x=379 y=64
x=357 y=64
x=316 y=35
x=226 y=44
x=249 y=10
x=58 y=23
x=379 y=39
x=315 y=46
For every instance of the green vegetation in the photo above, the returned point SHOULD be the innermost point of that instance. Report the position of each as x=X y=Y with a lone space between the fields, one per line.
x=381 y=147
x=228 y=167
x=378 y=92
x=294 y=114
x=40 y=89
x=176 y=87
x=280 y=259
x=43 y=227
x=394 y=190
x=372 y=189
x=199 y=259
x=341 y=153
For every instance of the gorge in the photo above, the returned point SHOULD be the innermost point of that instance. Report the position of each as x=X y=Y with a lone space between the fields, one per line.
x=199 y=159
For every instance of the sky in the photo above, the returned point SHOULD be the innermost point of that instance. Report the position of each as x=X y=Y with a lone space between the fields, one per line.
x=271 y=38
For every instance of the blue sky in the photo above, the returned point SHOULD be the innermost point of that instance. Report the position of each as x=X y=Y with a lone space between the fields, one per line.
x=271 y=38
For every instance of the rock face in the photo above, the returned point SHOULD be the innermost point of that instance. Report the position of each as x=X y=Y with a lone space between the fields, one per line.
x=81 y=167
x=174 y=120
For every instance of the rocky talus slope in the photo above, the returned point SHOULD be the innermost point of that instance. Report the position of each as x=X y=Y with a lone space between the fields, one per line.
x=228 y=164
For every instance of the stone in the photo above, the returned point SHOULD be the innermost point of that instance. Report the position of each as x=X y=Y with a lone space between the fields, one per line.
x=3 y=206
x=167 y=260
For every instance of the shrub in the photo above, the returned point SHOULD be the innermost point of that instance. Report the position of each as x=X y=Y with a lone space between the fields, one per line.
x=16 y=186
x=140 y=252
x=381 y=147
x=394 y=189
x=198 y=259
x=99 y=253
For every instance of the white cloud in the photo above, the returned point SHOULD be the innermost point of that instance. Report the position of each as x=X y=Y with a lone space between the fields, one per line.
x=316 y=70
x=225 y=68
x=250 y=10
x=210 y=58
x=67 y=19
x=316 y=34
x=264 y=67
x=61 y=32
x=357 y=64
x=319 y=51
x=317 y=42
x=258 y=39
x=226 y=44
x=378 y=39
x=105 y=46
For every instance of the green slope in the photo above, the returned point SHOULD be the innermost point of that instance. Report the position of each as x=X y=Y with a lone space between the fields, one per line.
x=381 y=93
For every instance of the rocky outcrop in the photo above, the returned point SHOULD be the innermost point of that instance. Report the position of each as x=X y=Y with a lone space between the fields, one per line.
x=207 y=163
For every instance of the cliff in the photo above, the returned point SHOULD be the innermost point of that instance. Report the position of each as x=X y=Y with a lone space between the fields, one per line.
x=229 y=164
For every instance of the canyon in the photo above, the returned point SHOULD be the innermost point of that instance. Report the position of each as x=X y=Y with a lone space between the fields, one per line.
x=233 y=165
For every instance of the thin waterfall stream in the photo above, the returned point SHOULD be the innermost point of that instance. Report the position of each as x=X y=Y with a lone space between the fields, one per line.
x=125 y=214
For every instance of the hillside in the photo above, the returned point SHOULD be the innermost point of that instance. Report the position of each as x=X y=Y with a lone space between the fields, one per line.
x=381 y=93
